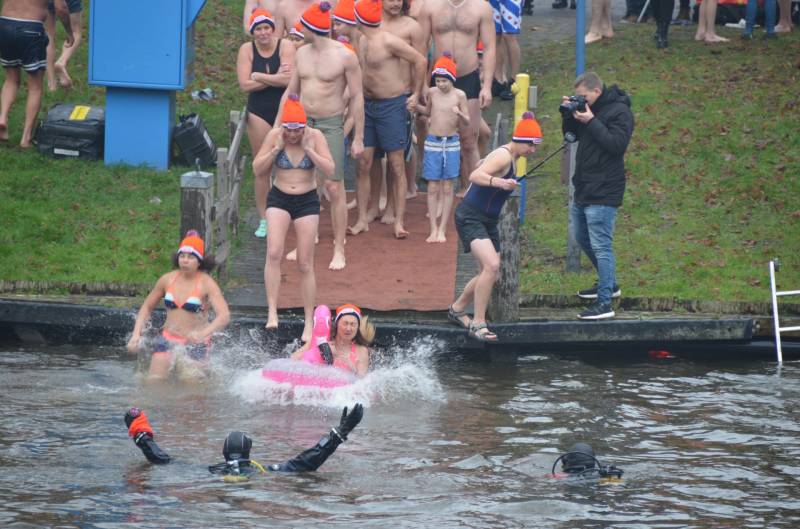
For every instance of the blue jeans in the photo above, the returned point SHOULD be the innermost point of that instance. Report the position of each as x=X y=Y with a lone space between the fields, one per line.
x=593 y=228
x=769 y=16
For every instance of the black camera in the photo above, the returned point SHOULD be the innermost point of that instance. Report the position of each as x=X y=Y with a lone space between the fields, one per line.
x=575 y=103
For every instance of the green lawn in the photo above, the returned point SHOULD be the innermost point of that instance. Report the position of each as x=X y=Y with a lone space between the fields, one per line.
x=713 y=168
x=713 y=190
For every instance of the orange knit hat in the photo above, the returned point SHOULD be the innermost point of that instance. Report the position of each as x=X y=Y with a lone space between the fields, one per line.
x=344 y=40
x=345 y=12
x=193 y=244
x=297 y=31
x=317 y=18
x=294 y=116
x=260 y=16
x=527 y=130
x=445 y=67
x=368 y=12
x=347 y=309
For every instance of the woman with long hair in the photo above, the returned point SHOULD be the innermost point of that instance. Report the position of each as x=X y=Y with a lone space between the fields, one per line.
x=188 y=292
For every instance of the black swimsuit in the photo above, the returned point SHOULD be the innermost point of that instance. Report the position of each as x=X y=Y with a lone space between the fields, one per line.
x=264 y=103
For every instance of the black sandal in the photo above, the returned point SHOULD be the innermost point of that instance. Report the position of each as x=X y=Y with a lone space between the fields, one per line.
x=487 y=336
x=455 y=317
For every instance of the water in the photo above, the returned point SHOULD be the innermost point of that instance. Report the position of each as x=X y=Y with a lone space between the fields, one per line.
x=444 y=443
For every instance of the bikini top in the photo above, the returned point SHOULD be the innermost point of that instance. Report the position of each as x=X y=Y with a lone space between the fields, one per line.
x=283 y=162
x=353 y=357
x=192 y=304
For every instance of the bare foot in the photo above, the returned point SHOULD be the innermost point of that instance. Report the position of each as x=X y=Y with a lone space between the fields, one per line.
x=399 y=231
x=608 y=35
x=357 y=228
x=780 y=28
x=461 y=194
x=352 y=204
x=715 y=38
x=372 y=214
x=4 y=130
x=338 y=261
x=440 y=237
x=411 y=194
x=25 y=143
x=700 y=35
x=433 y=237
x=592 y=37
x=272 y=325
x=292 y=256
x=63 y=77
x=388 y=217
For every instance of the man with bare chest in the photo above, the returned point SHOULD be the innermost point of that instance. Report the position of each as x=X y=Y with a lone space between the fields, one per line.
x=384 y=57
x=23 y=45
x=459 y=25
x=324 y=69
x=397 y=22
x=288 y=13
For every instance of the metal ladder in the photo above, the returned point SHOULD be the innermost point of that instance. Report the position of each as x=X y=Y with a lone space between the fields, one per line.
x=774 y=265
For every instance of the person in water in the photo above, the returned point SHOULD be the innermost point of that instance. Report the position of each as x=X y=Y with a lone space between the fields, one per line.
x=580 y=461
x=347 y=348
x=188 y=292
x=236 y=449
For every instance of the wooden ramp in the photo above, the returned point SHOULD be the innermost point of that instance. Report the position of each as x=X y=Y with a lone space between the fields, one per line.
x=382 y=273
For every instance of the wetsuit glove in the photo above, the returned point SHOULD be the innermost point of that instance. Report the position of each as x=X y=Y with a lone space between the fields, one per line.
x=348 y=422
x=141 y=432
x=326 y=353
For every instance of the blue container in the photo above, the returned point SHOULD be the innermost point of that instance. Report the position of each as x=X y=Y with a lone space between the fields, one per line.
x=142 y=53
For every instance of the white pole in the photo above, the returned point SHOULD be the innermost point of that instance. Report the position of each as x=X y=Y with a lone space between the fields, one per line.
x=775 y=319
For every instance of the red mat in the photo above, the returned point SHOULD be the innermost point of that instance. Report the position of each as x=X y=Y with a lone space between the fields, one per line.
x=382 y=273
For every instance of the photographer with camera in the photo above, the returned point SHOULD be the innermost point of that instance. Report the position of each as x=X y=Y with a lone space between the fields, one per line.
x=602 y=120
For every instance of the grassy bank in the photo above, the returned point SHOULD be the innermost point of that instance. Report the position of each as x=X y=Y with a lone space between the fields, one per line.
x=713 y=190
x=713 y=168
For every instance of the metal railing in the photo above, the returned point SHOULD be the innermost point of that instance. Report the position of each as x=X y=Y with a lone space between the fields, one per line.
x=774 y=266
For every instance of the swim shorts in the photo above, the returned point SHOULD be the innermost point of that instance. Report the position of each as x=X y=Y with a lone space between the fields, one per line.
x=379 y=153
x=73 y=6
x=23 y=44
x=167 y=342
x=297 y=206
x=385 y=123
x=472 y=224
x=333 y=130
x=507 y=16
x=470 y=84
x=442 y=159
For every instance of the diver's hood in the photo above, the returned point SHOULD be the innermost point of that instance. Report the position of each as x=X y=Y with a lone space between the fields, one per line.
x=237 y=446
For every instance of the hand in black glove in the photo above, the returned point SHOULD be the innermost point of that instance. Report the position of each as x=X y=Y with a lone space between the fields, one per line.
x=349 y=421
x=325 y=351
x=143 y=437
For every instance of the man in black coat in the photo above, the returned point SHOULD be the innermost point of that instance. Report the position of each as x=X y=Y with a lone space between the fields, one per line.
x=602 y=120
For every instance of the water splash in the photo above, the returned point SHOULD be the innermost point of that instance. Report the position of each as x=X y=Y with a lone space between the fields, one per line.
x=397 y=373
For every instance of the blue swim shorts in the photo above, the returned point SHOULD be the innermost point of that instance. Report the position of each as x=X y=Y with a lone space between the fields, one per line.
x=507 y=16
x=442 y=157
x=385 y=123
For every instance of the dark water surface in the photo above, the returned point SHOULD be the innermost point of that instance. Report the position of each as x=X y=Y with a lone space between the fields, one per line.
x=444 y=443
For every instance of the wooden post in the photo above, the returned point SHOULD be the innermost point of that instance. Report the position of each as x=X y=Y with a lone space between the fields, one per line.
x=196 y=201
x=504 y=304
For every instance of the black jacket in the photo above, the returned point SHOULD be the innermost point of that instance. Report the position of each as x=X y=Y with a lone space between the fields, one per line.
x=599 y=166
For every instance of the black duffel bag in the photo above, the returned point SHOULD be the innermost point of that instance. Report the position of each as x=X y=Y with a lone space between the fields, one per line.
x=72 y=131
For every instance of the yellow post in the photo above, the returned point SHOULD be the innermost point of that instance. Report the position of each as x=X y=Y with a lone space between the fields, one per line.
x=520 y=91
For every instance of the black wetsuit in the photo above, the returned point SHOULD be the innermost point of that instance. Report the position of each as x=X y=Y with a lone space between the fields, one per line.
x=264 y=103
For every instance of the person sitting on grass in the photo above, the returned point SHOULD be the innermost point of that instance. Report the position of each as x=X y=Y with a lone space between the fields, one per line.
x=447 y=108
x=187 y=292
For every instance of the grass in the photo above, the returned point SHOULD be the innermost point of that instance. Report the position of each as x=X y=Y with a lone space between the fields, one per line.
x=713 y=168
x=713 y=189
